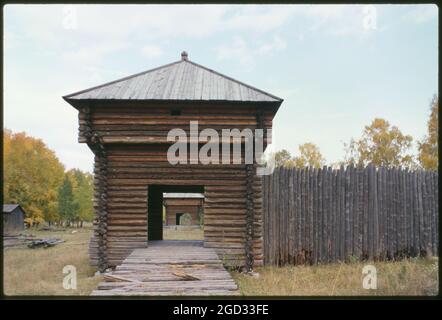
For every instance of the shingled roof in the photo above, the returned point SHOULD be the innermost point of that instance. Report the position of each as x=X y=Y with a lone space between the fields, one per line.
x=182 y=80
x=8 y=208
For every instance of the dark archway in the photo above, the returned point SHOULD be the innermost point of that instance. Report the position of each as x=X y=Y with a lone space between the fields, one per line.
x=155 y=207
x=178 y=218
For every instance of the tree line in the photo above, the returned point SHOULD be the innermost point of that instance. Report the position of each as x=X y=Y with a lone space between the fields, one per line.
x=381 y=144
x=35 y=178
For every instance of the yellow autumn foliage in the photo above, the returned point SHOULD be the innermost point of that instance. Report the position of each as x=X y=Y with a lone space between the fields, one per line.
x=428 y=147
x=32 y=175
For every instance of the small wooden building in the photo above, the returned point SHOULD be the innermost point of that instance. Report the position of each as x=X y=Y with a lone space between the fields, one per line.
x=178 y=204
x=13 y=218
x=126 y=123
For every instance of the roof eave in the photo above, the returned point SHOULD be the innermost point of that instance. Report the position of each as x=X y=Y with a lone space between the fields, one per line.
x=15 y=207
x=79 y=103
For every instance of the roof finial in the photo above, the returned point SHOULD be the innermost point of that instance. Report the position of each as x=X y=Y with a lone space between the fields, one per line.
x=184 y=56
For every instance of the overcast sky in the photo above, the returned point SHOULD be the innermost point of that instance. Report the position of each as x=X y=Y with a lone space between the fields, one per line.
x=336 y=67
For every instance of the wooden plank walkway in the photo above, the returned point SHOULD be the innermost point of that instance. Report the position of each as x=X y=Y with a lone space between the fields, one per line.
x=164 y=269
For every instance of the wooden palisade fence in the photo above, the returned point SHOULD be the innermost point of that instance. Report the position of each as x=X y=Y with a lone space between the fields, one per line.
x=326 y=215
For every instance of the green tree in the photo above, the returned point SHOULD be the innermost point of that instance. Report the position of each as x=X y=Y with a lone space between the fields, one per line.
x=67 y=206
x=32 y=175
x=83 y=195
x=382 y=145
x=309 y=155
x=428 y=146
x=281 y=157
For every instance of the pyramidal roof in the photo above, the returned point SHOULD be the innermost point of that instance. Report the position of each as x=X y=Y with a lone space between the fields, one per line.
x=180 y=80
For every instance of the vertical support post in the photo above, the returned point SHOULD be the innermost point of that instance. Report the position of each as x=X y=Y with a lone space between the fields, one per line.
x=250 y=216
x=95 y=143
x=101 y=214
x=250 y=197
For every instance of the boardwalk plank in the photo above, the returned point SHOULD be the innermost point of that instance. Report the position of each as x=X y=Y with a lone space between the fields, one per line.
x=153 y=271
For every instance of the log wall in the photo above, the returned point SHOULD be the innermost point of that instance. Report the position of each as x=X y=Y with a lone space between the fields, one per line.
x=134 y=138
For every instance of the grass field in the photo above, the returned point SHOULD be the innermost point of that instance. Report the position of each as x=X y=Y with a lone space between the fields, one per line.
x=40 y=272
x=407 y=277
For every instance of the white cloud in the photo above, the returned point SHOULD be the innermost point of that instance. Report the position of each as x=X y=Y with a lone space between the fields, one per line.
x=335 y=20
x=92 y=54
x=151 y=51
x=152 y=21
x=277 y=44
x=103 y=29
x=120 y=21
x=246 y=53
x=262 y=18
x=323 y=12
x=238 y=50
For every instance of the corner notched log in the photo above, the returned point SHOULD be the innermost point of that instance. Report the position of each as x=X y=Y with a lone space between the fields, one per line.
x=250 y=196
x=95 y=143
x=250 y=216
x=101 y=214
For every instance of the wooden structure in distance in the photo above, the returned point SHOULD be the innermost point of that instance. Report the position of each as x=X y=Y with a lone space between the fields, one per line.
x=177 y=204
x=13 y=218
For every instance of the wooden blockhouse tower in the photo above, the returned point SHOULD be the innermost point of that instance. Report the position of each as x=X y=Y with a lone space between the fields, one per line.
x=126 y=122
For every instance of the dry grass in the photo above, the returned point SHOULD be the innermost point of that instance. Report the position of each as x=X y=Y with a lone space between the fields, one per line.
x=40 y=271
x=183 y=233
x=407 y=277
